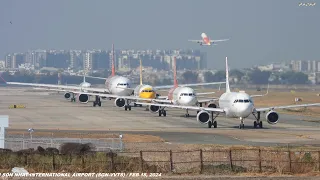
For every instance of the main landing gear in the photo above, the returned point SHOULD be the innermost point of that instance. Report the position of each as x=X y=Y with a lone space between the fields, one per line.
x=213 y=122
x=127 y=106
x=72 y=99
x=257 y=122
x=200 y=105
x=162 y=112
x=97 y=101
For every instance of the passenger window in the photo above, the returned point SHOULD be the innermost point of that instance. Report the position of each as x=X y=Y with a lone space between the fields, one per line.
x=246 y=101
x=240 y=100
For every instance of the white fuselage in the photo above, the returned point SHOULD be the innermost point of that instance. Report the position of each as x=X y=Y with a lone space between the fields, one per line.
x=183 y=96
x=85 y=85
x=118 y=85
x=236 y=104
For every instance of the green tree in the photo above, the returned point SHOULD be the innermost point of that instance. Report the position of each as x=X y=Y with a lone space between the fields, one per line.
x=190 y=77
x=259 y=77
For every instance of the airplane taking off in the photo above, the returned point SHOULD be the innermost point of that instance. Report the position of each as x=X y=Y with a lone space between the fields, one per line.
x=234 y=105
x=206 y=40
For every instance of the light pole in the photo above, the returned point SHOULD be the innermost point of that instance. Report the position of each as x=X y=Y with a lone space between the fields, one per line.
x=120 y=136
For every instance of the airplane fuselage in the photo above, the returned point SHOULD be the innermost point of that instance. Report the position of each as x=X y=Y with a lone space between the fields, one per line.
x=182 y=96
x=144 y=91
x=236 y=104
x=117 y=85
x=205 y=38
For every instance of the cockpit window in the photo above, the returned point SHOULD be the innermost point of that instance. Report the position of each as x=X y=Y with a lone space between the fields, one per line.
x=190 y=94
x=242 y=101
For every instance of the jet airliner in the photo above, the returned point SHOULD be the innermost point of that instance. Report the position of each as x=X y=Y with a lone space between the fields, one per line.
x=234 y=105
x=206 y=40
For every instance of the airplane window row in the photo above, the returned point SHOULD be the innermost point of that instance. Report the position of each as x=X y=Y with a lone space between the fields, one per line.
x=147 y=91
x=187 y=94
x=242 y=101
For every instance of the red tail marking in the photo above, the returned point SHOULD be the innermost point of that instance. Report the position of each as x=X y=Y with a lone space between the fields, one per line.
x=112 y=62
x=175 y=82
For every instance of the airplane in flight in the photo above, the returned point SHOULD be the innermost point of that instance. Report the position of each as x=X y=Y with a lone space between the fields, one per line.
x=206 y=40
x=148 y=93
x=233 y=105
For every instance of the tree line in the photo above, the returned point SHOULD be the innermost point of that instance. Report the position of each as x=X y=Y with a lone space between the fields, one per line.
x=236 y=77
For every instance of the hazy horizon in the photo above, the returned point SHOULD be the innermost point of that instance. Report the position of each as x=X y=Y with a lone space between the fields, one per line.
x=260 y=32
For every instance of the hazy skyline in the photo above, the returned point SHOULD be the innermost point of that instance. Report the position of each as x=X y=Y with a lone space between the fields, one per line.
x=260 y=32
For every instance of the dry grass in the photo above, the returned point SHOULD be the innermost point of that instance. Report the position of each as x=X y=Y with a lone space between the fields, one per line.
x=57 y=134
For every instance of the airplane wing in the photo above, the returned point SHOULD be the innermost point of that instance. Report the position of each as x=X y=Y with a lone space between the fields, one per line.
x=206 y=93
x=207 y=100
x=96 y=77
x=220 y=40
x=185 y=107
x=285 y=107
x=113 y=96
x=197 y=84
x=64 y=87
x=197 y=41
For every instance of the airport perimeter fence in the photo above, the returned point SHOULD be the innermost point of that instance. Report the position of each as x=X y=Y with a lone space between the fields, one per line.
x=17 y=143
x=171 y=162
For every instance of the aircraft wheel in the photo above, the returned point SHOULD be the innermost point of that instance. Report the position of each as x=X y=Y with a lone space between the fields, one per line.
x=125 y=108
x=129 y=108
x=255 y=124
x=94 y=104
x=99 y=104
x=164 y=113
x=260 y=124
x=209 y=124
x=160 y=113
x=215 y=124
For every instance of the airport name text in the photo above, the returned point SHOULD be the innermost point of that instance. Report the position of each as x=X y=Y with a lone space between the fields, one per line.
x=80 y=174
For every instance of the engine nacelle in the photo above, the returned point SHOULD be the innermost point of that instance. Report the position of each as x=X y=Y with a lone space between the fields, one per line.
x=212 y=105
x=67 y=95
x=120 y=102
x=203 y=117
x=83 y=98
x=272 y=117
x=154 y=109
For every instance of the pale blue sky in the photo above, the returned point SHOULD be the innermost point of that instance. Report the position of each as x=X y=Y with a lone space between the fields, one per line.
x=260 y=31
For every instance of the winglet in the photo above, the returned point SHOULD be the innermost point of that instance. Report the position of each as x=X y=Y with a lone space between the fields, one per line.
x=112 y=62
x=140 y=72
x=227 y=76
x=175 y=81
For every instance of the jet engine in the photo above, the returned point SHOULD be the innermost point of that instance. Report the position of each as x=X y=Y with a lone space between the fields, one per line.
x=212 y=105
x=272 y=117
x=120 y=102
x=154 y=109
x=203 y=117
x=67 y=95
x=83 y=98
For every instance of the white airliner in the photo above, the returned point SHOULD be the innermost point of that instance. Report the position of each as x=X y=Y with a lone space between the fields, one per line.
x=234 y=105
x=206 y=40
x=147 y=93
x=116 y=87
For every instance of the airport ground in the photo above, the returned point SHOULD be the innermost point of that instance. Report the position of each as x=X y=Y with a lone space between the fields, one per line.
x=47 y=112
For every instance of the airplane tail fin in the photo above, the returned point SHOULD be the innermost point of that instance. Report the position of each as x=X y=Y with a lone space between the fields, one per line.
x=112 y=62
x=227 y=76
x=140 y=72
x=175 y=81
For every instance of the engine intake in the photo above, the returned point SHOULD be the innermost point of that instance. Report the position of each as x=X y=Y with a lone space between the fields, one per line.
x=67 y=95
x=120 y=102
x=83 y=98
x=203 y=117
x=272 y=117
x=154 y=109
x=212 y=105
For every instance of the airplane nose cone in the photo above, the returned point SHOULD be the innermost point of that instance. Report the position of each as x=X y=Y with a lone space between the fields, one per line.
x=187 y=100
x=244 y=110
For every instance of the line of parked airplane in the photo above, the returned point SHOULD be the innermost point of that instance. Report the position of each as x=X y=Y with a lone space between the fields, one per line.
x=231 y=104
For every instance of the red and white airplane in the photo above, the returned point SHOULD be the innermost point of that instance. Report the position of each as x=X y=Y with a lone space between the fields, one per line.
x=206 y=41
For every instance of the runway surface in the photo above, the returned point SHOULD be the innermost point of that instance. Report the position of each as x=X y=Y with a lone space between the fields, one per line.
x=45 y=112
